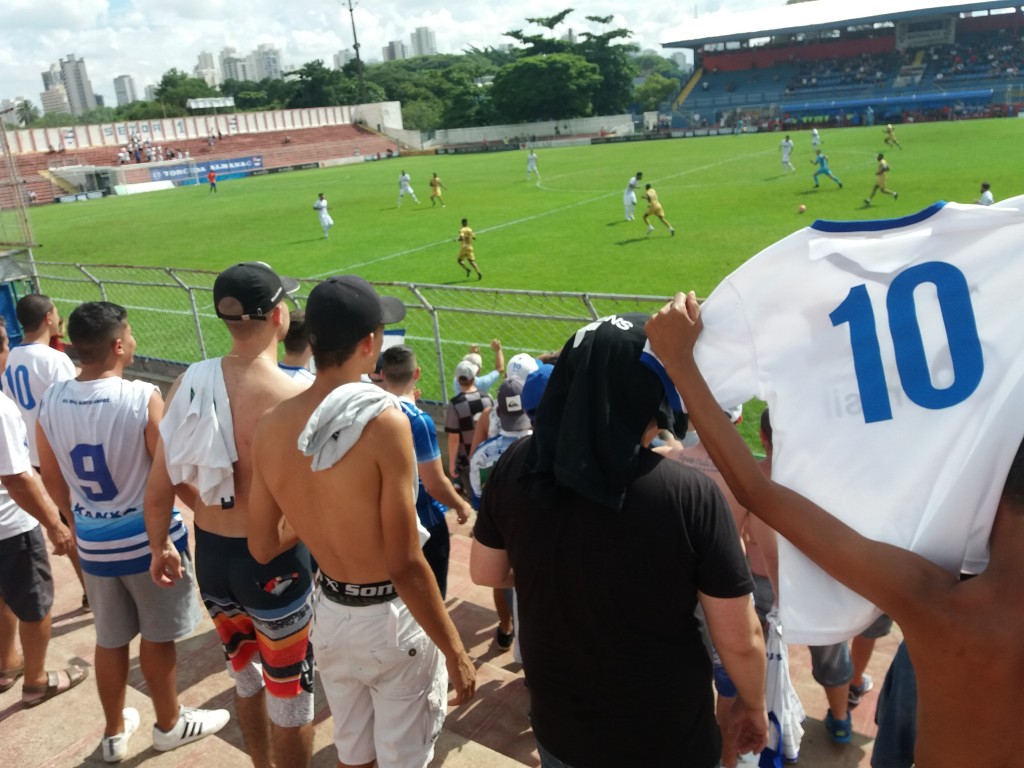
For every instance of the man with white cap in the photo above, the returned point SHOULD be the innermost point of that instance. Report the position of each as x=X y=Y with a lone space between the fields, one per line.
x=484 y=381
x=460 y=418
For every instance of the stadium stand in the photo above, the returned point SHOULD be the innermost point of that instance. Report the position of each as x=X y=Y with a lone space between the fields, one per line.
x=39 y=171
x=797 y=66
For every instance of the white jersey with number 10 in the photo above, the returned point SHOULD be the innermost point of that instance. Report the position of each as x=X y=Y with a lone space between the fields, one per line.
x=889 y=353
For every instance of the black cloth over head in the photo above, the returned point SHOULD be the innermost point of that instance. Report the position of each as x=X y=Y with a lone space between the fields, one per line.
x=599 y=401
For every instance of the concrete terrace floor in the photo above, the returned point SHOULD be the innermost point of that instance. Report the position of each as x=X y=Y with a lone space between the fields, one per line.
x=492 y=731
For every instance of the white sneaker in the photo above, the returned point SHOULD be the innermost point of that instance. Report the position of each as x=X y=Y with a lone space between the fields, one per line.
x=115 y=748
x=649 y=229
x=192 y=725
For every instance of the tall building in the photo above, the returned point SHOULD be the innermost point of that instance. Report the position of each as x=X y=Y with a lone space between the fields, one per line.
x=393 y=51
x=52 y=77
x=124 y=90
x=236 y=67
x=55 y=100
x=423 y=42
x=76 y=83
x=206 y=69
x=341 y=58
x=268 y=62
x=150 y=92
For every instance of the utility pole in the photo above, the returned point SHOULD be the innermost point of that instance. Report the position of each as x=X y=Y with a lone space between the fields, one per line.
x=355 y=47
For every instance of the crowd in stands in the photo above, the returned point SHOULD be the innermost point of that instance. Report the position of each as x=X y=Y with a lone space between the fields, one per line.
x=868 y=69
x=141 y=150
x=983 y=57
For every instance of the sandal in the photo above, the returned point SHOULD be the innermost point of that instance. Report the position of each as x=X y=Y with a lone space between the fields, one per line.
x=52 y=687
x=8 y=677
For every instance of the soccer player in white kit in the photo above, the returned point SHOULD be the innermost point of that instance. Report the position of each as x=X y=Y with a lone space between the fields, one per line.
x=531 y=166
x=405 y=187
x=629 y=196
x=786 y=146
x=320 y=206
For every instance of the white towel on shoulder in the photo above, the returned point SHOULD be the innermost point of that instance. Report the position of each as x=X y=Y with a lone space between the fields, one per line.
x=338 y=422
x=199 y=434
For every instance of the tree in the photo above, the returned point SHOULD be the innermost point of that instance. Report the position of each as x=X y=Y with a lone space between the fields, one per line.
x=617 y=69
x=610 y=57
x=26 y=113
x=655 y=90
x=316 y=86
x=176 y=88
x=569 y=86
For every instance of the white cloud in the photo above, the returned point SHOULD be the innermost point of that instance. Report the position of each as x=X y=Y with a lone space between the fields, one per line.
x=145 y=38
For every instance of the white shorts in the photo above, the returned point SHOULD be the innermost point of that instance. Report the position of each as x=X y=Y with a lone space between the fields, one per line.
x=385 y=680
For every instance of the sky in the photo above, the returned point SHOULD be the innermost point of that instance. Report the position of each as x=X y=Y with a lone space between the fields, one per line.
x=145 y=38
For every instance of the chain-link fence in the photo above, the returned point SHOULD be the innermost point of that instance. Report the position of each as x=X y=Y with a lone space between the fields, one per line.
x=172 y=316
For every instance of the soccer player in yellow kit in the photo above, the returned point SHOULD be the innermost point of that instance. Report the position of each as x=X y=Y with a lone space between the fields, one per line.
x=654 y=209
x=881 y=174
x=435 y=192
x=465 y=240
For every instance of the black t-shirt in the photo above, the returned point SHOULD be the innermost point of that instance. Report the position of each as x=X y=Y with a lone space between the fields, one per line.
x=616 y=668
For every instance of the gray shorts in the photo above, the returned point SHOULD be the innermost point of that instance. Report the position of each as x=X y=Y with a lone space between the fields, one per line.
x=125 y=606
x=831 y=664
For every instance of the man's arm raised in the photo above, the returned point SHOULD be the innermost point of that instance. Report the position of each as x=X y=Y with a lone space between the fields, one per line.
x=897 y=581
x=391 y=441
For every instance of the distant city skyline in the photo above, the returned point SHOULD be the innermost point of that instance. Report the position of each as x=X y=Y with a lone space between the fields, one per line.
x=117 y=37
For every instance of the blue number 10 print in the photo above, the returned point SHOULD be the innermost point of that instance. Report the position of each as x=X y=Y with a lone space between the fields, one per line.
x=954 y=299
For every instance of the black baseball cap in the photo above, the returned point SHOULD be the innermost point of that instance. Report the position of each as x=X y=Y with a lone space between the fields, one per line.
x=342 y=310
x=248 y=291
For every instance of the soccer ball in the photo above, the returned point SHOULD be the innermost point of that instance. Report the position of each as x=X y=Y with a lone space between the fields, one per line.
x=801 y=209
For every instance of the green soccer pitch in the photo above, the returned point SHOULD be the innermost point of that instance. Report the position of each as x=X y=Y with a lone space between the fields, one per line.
x=726 y=196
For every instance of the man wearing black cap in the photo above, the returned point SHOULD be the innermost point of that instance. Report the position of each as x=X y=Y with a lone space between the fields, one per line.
x=612 y=547
x=205 y=450
x=383 y=639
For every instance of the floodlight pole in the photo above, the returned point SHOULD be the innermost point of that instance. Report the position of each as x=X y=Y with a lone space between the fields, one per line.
x=355 y=47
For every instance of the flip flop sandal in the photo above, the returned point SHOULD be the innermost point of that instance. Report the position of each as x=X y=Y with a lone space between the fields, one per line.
x=8 y=677
x=52 y=687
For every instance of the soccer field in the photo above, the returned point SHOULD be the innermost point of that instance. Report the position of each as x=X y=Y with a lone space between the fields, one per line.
x=726 y=196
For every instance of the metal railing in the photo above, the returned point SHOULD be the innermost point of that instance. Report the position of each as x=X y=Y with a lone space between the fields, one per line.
x=172 y=316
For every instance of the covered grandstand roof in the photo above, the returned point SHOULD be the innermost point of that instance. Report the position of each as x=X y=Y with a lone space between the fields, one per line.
x=820 y=14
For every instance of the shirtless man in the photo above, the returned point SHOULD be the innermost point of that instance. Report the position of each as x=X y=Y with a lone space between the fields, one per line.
x=964 y=637
x=354 y=505
x=260 y=611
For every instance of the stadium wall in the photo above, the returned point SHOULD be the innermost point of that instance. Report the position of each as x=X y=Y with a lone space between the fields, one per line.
x=525 y=133
x=381 y=116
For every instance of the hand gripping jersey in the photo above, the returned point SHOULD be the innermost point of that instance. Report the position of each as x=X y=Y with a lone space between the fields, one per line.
x=889 y=353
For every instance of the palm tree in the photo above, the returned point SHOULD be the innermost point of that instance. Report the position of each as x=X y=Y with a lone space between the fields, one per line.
x=26 y=113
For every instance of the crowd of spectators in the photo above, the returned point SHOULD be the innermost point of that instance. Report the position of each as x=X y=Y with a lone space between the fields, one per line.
x=983 y=57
